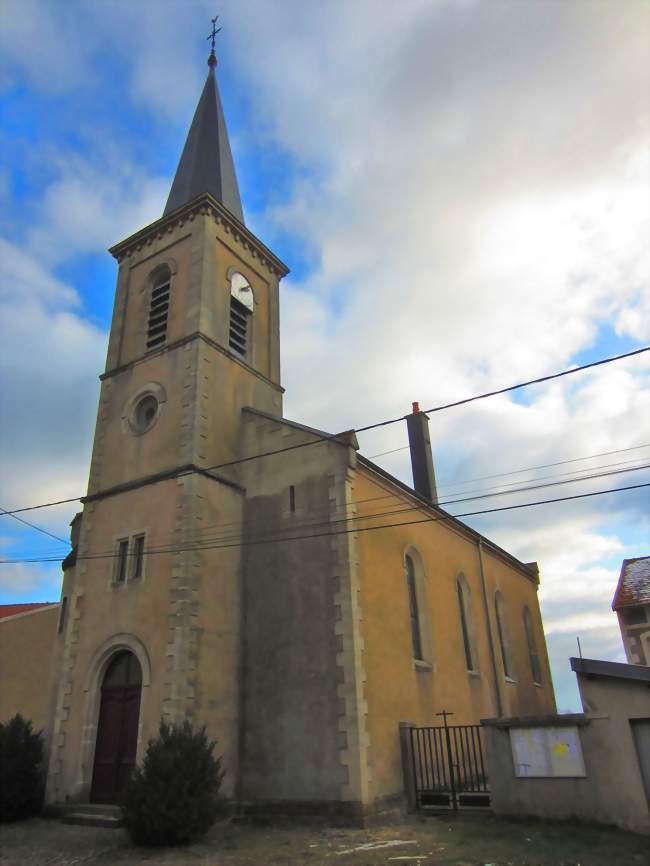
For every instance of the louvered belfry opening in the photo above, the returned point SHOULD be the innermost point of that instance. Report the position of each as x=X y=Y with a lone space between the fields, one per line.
x=238 y=338
x=159 y=309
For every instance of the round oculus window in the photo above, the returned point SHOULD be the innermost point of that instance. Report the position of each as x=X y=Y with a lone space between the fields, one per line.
x=145 y=413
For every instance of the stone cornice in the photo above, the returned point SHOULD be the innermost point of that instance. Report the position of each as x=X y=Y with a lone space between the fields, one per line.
x=195 y=335
x=203 y=205
x=177 y=472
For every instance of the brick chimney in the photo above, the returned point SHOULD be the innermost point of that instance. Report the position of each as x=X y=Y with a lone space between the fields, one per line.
x=424 y=476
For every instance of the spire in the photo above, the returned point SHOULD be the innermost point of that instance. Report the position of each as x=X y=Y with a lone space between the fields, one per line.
x=206 y=162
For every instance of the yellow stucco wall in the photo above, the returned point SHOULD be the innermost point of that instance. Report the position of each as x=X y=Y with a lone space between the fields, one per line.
x=26 y=643
x=182 y=615
x=397 y=689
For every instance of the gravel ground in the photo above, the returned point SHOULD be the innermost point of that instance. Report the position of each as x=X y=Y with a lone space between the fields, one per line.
x=417 y=841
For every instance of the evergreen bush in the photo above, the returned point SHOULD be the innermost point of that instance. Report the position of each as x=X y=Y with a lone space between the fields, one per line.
x=173 y=798
x=22 y=776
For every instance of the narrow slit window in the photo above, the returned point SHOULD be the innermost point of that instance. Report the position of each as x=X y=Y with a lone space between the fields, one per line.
x=241 y=308
x=292 y=498
x=62 y=613
x=533 y=655
x=138 y=556
x=122 y=557
x=503 y=635
x=416 y=636
x=463 y=606
x=159 y=310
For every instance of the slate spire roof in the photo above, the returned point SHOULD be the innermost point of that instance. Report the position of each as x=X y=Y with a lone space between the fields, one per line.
x=206 y=163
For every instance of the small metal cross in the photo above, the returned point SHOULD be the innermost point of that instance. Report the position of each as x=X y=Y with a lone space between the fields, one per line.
x=444 y=715
x=215 y=30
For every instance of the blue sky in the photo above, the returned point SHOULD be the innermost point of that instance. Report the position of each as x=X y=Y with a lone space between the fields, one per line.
x=461 y=193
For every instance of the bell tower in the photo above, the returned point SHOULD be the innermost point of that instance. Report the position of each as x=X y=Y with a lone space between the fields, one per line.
x=195 y=330
x=194 y=340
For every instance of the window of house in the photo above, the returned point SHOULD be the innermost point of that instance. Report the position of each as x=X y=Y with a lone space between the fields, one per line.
x=241 y=309
x=533 y=655
x=138 y=556
x=466 y=624
x=122 y=557
x=416 y=635
x=159 y=308
x=503 y=634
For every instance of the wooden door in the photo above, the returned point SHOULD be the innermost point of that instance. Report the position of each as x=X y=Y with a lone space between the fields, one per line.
x=117 y=728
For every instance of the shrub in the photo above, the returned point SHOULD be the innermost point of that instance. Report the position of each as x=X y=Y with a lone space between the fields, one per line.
x=22 y=776
x=173 y=798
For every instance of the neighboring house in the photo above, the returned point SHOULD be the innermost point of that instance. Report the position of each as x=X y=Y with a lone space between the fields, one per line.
x=590 y=766
x=632 y=605
x=27 y=636
x=252 y=574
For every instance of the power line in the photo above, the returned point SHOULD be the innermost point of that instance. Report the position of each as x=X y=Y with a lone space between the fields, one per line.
x=356 y=529
x=33 y=526
x=538 y=381
x=336 y=437
x=576 y=475
x=200 y=539
x=525 y=469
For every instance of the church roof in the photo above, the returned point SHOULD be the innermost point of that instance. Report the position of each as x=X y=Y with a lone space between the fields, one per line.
x=206 y=164
x=634 y=583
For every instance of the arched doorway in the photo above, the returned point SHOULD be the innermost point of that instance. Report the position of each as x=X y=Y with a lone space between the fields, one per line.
x=117 y=728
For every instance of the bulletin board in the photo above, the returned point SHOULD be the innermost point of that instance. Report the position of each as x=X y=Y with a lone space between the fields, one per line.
x=547 y=752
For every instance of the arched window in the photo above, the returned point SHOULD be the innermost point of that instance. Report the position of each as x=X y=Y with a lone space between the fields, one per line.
x=533 y=655
x=158 y=307
x=241 y=309
x=416 y=634
x=503 y=634
x=466 y=622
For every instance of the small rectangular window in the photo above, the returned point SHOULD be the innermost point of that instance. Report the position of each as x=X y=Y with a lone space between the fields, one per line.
x=122 y=557
x=62 y=612
x=292 y=498
x=138 y=556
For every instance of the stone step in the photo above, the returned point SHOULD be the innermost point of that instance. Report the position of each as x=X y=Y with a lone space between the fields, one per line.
x=102 y=808
x=94 y=818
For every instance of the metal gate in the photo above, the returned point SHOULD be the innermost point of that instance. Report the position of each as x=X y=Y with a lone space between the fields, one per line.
x=449 y=770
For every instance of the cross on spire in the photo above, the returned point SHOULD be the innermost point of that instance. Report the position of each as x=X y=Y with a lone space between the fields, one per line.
x=212 y=59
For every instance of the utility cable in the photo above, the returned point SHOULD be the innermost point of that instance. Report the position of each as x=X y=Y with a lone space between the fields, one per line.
x=430 y=519
x=33 y=526
x=336 y=437
x=199 y=535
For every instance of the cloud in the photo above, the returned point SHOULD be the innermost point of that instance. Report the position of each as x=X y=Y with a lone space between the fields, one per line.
x=91 y=204
x=20 y=583
x=49 y=361
x=470 y=182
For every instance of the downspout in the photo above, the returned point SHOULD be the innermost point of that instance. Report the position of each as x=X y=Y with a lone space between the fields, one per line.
x=495 y=673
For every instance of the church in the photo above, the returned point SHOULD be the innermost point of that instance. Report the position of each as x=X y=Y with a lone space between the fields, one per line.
x=246 y=572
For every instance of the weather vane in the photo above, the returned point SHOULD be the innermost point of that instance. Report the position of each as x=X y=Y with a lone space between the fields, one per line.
x=213 y=35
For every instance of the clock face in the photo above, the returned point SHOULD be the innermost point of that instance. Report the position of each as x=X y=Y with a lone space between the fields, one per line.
x=240 y=290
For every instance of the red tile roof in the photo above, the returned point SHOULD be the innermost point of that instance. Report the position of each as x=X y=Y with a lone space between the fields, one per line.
x=14 y=609
x=634 y=583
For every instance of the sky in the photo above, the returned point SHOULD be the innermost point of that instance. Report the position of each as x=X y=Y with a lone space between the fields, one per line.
x=462 y=192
